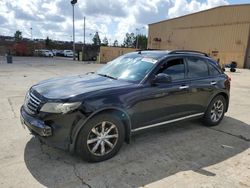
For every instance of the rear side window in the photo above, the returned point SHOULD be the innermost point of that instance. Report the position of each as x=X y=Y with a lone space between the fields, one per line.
x=197 y=67
x=174 y=68
x=212 y=70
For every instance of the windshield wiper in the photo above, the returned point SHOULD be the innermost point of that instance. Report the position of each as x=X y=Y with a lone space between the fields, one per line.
x=108 y=76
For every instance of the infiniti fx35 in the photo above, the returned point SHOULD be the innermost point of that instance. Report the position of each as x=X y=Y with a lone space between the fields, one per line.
x=93 y=114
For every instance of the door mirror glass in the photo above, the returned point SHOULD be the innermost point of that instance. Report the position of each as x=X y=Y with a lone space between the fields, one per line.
x=162 y=78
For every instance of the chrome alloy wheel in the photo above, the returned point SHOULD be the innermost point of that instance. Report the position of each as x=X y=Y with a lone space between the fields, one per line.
x=217 y=111
x=102 y=138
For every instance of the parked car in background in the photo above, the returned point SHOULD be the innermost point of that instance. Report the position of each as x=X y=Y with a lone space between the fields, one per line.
x=94 y=114
x=60 y=53
x=37 y=52
x=54 y=51
x=68 y=53
x=47 y=53
x=43 y=53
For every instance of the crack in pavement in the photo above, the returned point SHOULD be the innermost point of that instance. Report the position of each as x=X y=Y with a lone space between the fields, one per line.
x=12 y=108
x=237 y=136
x=79 y=177
x=65 y=162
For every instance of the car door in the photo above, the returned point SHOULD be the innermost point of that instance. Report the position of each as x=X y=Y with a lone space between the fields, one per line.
x=202 y=85
x=164 y=101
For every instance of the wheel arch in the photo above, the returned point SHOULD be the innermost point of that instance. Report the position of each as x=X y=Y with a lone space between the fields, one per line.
x=225 y=95
x=114 y=110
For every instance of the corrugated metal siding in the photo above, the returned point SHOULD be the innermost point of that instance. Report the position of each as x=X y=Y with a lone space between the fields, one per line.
x=108 y=53
x=223 y=29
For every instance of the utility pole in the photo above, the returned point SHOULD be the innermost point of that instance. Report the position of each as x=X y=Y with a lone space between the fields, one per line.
x=73 y=2
x=32 y=45
x=31 y=34
x=84 y=32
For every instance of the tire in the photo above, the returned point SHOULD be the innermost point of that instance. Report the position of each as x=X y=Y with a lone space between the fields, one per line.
x=92 y=133
x=213 y=114
x=232 y=70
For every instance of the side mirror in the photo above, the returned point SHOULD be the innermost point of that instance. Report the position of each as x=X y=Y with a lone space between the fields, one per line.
x=162 y=78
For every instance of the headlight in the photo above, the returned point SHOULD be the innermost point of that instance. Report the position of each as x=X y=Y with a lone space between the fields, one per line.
x=60 y=107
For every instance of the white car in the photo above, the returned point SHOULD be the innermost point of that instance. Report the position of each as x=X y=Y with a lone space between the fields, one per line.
x=47 y=53
x=68 y=53
x=54 y=52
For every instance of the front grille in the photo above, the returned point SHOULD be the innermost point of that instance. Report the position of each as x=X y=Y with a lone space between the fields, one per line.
x=32 y=103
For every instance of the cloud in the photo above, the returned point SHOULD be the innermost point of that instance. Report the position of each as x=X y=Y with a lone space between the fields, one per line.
x=65 y=8
x=3 y=20
x=111 y=18
x=151 y=11
x=55 y=18
x=117 y=8
x=182 y=7
x=22 y=15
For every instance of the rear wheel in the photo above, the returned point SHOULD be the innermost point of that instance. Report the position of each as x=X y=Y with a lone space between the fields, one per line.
x=215 y=111
x=101 y=138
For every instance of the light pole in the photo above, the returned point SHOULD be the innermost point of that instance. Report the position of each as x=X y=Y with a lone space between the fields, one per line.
x=73 y=2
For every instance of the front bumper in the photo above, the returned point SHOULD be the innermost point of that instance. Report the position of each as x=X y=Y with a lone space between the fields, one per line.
x=35 y=125
x=52 y=129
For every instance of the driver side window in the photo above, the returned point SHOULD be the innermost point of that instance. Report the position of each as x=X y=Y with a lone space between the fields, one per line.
x=174 y=68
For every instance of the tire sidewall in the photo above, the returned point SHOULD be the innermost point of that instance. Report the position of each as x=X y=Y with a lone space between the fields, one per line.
x=81 y=146
x=207 y=117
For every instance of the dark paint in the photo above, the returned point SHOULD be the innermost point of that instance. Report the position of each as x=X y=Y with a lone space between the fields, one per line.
x=71 y=86
x=140 y=104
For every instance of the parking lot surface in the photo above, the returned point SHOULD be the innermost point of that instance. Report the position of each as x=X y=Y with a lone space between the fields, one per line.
x=185 y=154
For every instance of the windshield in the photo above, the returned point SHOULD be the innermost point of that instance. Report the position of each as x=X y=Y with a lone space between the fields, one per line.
x=128 y=68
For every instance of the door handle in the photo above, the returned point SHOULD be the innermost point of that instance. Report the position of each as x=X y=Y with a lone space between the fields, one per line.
x=213 y=83
x=183 y=87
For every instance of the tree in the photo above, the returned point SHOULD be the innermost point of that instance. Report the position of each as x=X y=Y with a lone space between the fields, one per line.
x=142 y=41
x=115 y=43
x=129 y=40
x=47 y=43
x=18 y=35
x=96 y=39
x=105 y=42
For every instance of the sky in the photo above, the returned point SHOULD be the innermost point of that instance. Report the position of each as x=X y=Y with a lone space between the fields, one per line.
x=111 y=18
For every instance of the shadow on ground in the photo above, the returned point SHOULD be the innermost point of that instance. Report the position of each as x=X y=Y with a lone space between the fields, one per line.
x=151 y=156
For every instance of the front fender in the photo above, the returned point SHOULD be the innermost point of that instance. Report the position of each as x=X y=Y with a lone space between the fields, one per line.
x=75 y=131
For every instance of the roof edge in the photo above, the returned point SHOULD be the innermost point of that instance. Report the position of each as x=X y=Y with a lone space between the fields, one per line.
x=222 y=6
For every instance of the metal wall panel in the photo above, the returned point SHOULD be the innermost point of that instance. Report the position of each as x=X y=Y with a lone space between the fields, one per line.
x=108 y=53
x=223 y=30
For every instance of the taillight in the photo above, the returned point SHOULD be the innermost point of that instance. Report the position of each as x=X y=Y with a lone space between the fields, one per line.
x=227 y=82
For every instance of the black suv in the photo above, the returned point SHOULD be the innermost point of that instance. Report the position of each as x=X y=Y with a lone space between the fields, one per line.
x=94 y=114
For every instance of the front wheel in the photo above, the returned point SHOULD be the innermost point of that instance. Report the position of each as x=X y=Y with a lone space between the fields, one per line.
x=215 y=111
x=101 y=138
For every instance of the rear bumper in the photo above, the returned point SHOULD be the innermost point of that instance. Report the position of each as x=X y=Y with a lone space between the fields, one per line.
x=35 y=125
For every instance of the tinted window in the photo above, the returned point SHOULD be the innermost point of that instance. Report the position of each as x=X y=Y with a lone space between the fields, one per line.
x=197 y=67
x=213 y=71
x=174 y=68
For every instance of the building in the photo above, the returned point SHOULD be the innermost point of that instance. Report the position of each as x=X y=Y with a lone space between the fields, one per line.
x=222 y=32
x=108 y=53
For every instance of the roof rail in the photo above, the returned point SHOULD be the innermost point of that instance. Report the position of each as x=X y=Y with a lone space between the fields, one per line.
x=188 y=52
x=148 y=49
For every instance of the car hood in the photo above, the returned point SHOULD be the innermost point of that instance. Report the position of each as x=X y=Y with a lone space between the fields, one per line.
x=70 y=86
